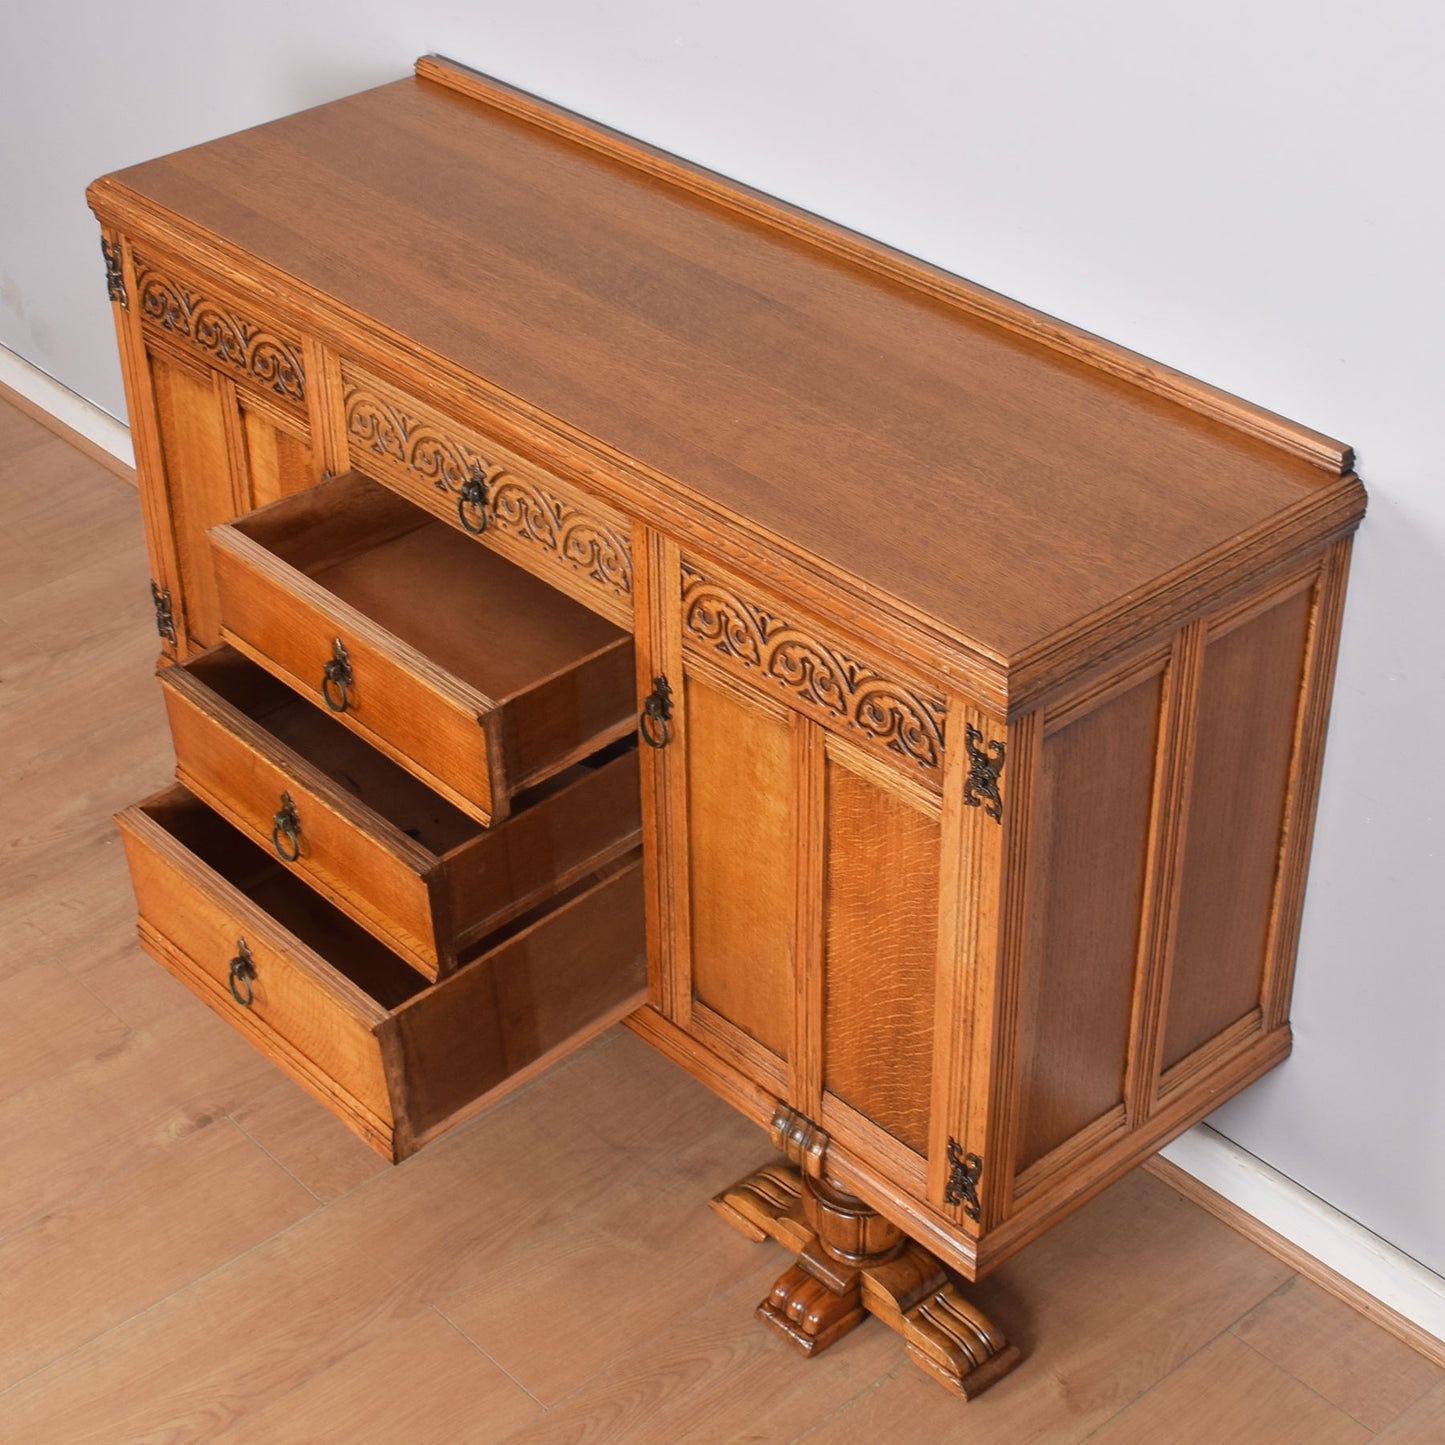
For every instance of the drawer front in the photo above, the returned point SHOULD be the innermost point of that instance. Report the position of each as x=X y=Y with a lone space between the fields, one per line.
x=397 y=700
x=303 y=1014
x=367 y=867
x=396 y=1060
x=415 y=874
x=561 y=533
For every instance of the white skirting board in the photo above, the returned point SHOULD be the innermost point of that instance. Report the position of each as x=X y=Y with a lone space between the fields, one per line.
x=1309 y=1224
x=1336 y=1241
x=68 y=408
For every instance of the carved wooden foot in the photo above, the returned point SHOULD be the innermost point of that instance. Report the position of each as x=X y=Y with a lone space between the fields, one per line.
x=808 y=1313
x=850 y=1262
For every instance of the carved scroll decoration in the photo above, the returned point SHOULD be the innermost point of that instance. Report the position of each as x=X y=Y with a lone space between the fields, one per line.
x=272 y=361
x=522 y=507
x=517 y=506
x=387 y=431
x=903 y=720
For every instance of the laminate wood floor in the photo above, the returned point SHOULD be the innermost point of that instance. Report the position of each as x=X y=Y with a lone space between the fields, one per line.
x=192 y=1250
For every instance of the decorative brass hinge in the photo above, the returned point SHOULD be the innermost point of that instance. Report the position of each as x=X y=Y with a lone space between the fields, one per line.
x=165 y=620
x=963 y=1175
x=981 y=789
x=114 y=272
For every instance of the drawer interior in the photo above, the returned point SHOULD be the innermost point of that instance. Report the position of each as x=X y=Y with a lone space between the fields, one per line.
x=486 y=621
x=369 y=964
x=334 y=750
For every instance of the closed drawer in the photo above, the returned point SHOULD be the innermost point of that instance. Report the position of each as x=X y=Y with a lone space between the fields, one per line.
x=350 y=1021
x=466 y=670
x=390 y=852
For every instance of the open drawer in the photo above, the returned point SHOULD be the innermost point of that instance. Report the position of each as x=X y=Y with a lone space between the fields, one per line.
x=469 y=672
x=390 y=852
x=350 y=1021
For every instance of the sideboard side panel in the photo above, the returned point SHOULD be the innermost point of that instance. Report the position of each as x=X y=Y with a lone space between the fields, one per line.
x=1096 y=789
x=1248 y=707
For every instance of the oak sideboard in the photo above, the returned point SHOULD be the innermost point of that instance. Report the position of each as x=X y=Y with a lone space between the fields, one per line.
x=589 y=589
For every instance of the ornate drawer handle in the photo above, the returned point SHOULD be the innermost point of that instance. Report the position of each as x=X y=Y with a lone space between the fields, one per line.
x=336 y=679
x=654 y=723
x=286 y=831
x=472 y=499
x=243 y=970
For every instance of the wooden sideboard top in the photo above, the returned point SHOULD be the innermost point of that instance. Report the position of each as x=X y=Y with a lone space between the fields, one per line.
x=974 y=461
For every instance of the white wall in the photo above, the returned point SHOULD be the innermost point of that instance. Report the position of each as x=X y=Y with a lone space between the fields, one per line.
x=1250 y=190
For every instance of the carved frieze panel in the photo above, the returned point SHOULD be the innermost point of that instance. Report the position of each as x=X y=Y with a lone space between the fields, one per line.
x=512 y=506
x=867 y=701
x=227 y=338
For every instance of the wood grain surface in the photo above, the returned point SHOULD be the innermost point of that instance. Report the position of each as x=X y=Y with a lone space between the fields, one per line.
x=886 y=430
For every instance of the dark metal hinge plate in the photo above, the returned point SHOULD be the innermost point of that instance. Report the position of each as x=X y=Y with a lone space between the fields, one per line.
x=114 y=272
x=165 y=618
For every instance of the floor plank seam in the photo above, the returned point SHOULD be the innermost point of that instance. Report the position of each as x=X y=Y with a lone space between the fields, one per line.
x=492 y=1360
x=1178 y=1366
x=282 y=1166
x=844 y=1406
x=161 y=1300
x=1332 y=1404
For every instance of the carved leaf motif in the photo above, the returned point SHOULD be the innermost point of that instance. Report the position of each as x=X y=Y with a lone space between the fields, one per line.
x=900 y=719
x=227 y=337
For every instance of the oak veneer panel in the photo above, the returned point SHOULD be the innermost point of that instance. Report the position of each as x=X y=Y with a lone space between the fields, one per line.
x=878 y=427
x=881 y=929
x=278 y=461
x=1096 y=785
x=198 y=489
x=1249 y=701
x=740 y=853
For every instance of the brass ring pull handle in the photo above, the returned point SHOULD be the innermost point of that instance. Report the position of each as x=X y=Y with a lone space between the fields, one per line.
x=336 y=679
x=286 y=831
x=472 y=502
x=243 y=970
x=654 y=723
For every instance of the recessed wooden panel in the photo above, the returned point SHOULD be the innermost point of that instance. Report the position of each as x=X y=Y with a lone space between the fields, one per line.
x=192 y=429
x=278 y=461
x=1249 y=699
x=1096 y=781
x=881 y=921
x=739 y=791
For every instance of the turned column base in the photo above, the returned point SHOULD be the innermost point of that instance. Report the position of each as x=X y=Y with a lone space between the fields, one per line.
x=851 y=1262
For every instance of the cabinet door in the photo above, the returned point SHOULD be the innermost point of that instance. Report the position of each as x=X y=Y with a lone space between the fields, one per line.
x=803 y=861
x=218 y=405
